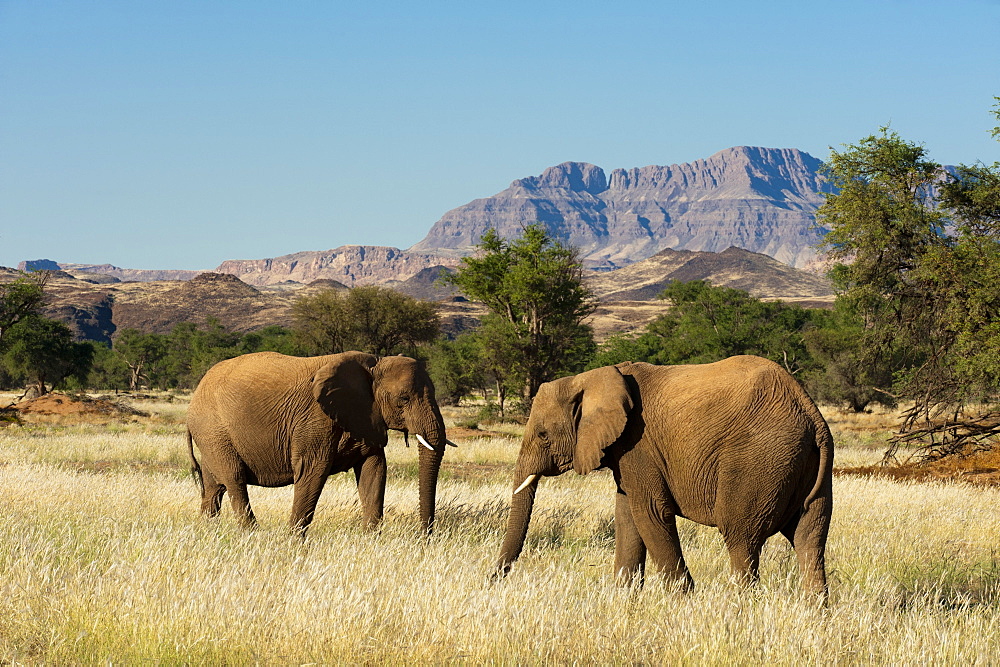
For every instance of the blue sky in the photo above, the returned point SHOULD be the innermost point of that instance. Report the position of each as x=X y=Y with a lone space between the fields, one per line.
x=181 y=134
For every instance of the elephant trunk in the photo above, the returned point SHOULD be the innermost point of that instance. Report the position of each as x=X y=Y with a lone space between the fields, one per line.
x=526 y=476
x=429 y=466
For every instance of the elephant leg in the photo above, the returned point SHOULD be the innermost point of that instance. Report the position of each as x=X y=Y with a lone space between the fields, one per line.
x=309 y=482
x=240 y=500
x=808 y=537
x=744 y=555
x=656 y=522
x=211 y=495
x=370 y=475
x=630 y=552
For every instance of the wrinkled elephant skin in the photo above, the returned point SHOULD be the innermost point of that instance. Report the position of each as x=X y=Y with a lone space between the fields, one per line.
x=735 y=444
x=268 y=419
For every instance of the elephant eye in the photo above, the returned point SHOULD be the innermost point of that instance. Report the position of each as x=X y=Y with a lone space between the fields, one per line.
x=402 y=400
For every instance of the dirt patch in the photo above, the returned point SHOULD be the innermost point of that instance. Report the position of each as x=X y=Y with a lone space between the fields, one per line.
x=55 y=406
x=974 y=467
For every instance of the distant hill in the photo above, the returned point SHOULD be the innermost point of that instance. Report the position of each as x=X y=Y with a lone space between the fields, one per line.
x=759 y=199
x=758 y=274
x=627 y=297
x=107 y=272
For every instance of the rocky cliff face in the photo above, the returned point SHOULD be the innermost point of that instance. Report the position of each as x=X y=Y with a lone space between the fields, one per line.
x=351 y=265
x=760 y=199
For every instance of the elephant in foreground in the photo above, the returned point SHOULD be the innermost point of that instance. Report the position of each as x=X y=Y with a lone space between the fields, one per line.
x=735 y=444
x=268 y=419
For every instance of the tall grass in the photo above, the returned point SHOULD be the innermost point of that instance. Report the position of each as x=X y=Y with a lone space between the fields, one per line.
x=113 y=563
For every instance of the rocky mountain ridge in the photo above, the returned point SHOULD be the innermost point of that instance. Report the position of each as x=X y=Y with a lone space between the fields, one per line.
x=760 y=199
x=351 y=265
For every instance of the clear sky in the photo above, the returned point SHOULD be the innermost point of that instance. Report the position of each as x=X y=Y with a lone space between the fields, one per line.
x=176 y=135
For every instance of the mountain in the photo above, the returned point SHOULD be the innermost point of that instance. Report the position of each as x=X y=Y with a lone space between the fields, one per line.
x=759 y=199
x=351 y=265
x=347 y=266
x=107 y=273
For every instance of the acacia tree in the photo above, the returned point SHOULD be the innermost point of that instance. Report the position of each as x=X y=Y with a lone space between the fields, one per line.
x=920 y=265
x=44 y=351
x=533 y=286
x=370 y=319
x=885 y=228
x=19 y=299
x=143 y=354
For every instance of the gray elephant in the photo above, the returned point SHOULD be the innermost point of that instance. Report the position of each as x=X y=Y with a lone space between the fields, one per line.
x=735 y=444
x=268 y=419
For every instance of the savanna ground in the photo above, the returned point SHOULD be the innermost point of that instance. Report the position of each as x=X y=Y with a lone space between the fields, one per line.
x=103 y=557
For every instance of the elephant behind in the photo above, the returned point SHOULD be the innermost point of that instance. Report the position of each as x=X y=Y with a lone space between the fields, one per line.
x=735 y=444
x=267 y=419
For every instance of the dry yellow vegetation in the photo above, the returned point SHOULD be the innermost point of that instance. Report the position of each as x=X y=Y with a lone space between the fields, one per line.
x=103 y=557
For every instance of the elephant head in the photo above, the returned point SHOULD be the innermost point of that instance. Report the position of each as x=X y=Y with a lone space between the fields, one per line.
x=573 y=421
x=367 y=396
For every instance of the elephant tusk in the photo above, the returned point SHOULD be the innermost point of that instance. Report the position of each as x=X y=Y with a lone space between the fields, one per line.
x=527 y=482
x=423 y=442
x=451 y=443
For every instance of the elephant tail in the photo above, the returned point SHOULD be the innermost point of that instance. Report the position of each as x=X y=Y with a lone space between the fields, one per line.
x=195 y=467
x=824 y=441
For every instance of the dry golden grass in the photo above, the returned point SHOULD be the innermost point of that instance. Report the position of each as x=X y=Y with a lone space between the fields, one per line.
x=111 y=562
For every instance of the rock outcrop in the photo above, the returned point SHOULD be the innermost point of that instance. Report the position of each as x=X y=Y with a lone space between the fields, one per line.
x=759 y=199
x=351 y=265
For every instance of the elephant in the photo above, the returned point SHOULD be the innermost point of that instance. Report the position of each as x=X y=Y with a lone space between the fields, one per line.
x=736 y=444
x=269 y=419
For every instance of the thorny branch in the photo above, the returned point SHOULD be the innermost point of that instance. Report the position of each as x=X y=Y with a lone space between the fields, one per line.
x=935 y=439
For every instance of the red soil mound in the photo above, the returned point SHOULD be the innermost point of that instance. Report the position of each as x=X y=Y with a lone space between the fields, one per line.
x=61 y=405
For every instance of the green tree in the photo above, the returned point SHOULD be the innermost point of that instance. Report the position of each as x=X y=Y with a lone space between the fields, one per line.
x=920 y=265
x=455 y=368
x=107 y=369
x=192 y=350
x=889 y=237
x=272 y=338
x=21 y=298
x=370 y=319
x=533 y=286
x=43 y=351
x=839 y=374
x=707 y=323
x=143 y=355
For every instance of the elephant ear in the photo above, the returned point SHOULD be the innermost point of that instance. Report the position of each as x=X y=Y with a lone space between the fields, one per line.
x=603 y=406
x=343 y=388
